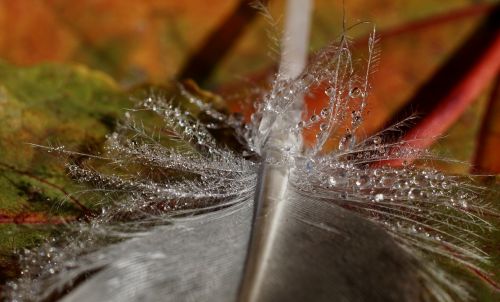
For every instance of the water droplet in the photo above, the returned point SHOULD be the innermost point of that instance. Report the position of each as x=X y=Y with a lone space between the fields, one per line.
x=324 y=112
x=301 y=124
x=413 y=193
x=356 y=93
x=345 y=141
x=418 y=179
x=356 y=118
x=362 y=181
x=413 y=229
x=379 y=197
x=330 y=92
x=323 y=127
x=309 y=165
x=254 y=117
x=377 y=140
x=400 y=184
x=440 y=176
x=464 y=204
x=308 y=78
x=314 y=118
x=386 y=181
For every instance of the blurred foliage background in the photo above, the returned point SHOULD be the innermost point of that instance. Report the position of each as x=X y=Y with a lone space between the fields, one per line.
x=150 y=41
x=67 y=69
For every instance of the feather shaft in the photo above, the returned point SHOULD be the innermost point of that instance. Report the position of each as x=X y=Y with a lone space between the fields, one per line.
x=273 y=180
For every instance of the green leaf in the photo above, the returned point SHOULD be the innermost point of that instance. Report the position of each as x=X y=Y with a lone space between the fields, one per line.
x=54 y=105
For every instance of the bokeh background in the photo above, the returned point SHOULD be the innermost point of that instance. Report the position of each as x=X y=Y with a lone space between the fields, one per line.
x=153 y=41
x=67 y=69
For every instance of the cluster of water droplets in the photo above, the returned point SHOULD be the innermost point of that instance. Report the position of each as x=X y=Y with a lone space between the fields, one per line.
x=426 y=211
x=171 y=164
x=161 y=162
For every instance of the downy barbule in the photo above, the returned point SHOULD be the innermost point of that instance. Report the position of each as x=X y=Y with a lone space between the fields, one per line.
x=187 y=217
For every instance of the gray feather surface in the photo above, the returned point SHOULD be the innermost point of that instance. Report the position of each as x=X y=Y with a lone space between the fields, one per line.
x=186 y=218
x=196 y=259
x=323 y=253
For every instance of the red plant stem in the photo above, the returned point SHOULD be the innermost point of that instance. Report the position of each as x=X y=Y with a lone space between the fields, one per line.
x=439 y=19
x=427 y=22
x=459 y=99
x=451 y=107
x=485 y=278
x=453 y=88
x=33 y=218
x=485 y=159
x=218 y=43
x=87 y=211
x=478 y=273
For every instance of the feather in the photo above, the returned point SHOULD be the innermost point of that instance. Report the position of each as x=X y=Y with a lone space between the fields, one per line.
x=186 y=218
